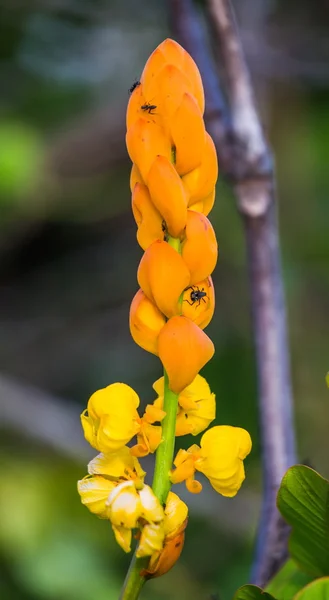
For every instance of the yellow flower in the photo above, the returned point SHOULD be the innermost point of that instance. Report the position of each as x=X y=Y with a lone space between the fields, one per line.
x=185 y=469
x=223 y=449
x=176 y=512
x=126 y=505
x=123 y=537
x=106 y=471
x=151 y=540
x=110 y=420
x=174 y=526
x=197 y=406
x=94 y=492
x=220 y=458
x=117 y=466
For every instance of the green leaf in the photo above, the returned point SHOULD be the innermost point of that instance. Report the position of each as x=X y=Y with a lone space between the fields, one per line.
x=303 y=501
x=288 y=581
x=317 y=590
x=252 y=592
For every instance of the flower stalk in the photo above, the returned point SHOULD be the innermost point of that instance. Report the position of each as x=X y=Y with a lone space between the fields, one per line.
x=165 y=452
x=172 y=181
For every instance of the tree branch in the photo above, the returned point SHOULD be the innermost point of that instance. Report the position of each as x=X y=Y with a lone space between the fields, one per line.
x=246 y=160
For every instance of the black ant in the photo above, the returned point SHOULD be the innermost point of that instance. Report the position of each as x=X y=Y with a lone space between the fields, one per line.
x=134 y=86
x=149 y=107
x=196 y=295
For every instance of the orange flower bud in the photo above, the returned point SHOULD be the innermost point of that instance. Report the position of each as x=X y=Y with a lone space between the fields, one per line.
x=199 y=311
x=145 y=322
x=200 y=182
x=199 y=249
x=170 y=52
x=163 y=275
x=161 y=562
x=145 y=140
x=188 y=134
x=135 y=177
x=183 y=350
x=168 y=194
x=170 y=85
x=147 y=217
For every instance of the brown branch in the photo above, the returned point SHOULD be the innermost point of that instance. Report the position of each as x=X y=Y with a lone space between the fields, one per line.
x=253 y=181
x=246 y=160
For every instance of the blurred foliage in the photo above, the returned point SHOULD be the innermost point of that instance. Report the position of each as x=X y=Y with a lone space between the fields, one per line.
x=68 y=258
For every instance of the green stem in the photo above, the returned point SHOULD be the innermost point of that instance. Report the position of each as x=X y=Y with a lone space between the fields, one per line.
x=165 y=452
x=134 y=581
x=161 y=479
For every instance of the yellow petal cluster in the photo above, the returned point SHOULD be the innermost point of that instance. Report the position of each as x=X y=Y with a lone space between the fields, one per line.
x=196 y=406
x=111 y=420
x=175 y=522
x=220 y=459
x=173 y=189
x=115 y=490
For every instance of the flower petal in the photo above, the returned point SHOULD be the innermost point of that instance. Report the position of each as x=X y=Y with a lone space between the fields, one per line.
x=145 y=140
x=151 y=510
x=161 y=562
x=88 y=428
x=183 y=350
x=117 y=465
x=124 y=505
x=152 y=539
x=199 y=248
x=123 y=537
x=135 y=177
x=94 y=492
x=168 y=194
x=200 y=182
x=145 y=322
x=201 y=312
x=171 y=52
x=163 y=275
x=112 y=417
x=176 y=512
x=148 y=219
x=188 y=134
x=223 y=449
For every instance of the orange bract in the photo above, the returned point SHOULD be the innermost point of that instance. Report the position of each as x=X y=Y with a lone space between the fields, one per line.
x=134 y=111
x=201 y=312
x=168 y=195
x=163 y=275
x=161 y=562
x=145 y=140
x=183 y=349
x=147 y=217
x=199 y=249
x=200 y=182
x=135 y=177
x=188 y=134
x=145 y=322
x=170 y=52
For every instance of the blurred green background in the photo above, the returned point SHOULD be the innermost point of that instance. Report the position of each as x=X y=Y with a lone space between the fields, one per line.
x=68 y=260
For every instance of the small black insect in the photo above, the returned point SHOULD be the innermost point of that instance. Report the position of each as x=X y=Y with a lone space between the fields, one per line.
x=149 y=107
x=196 y=295
x=134 y=86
